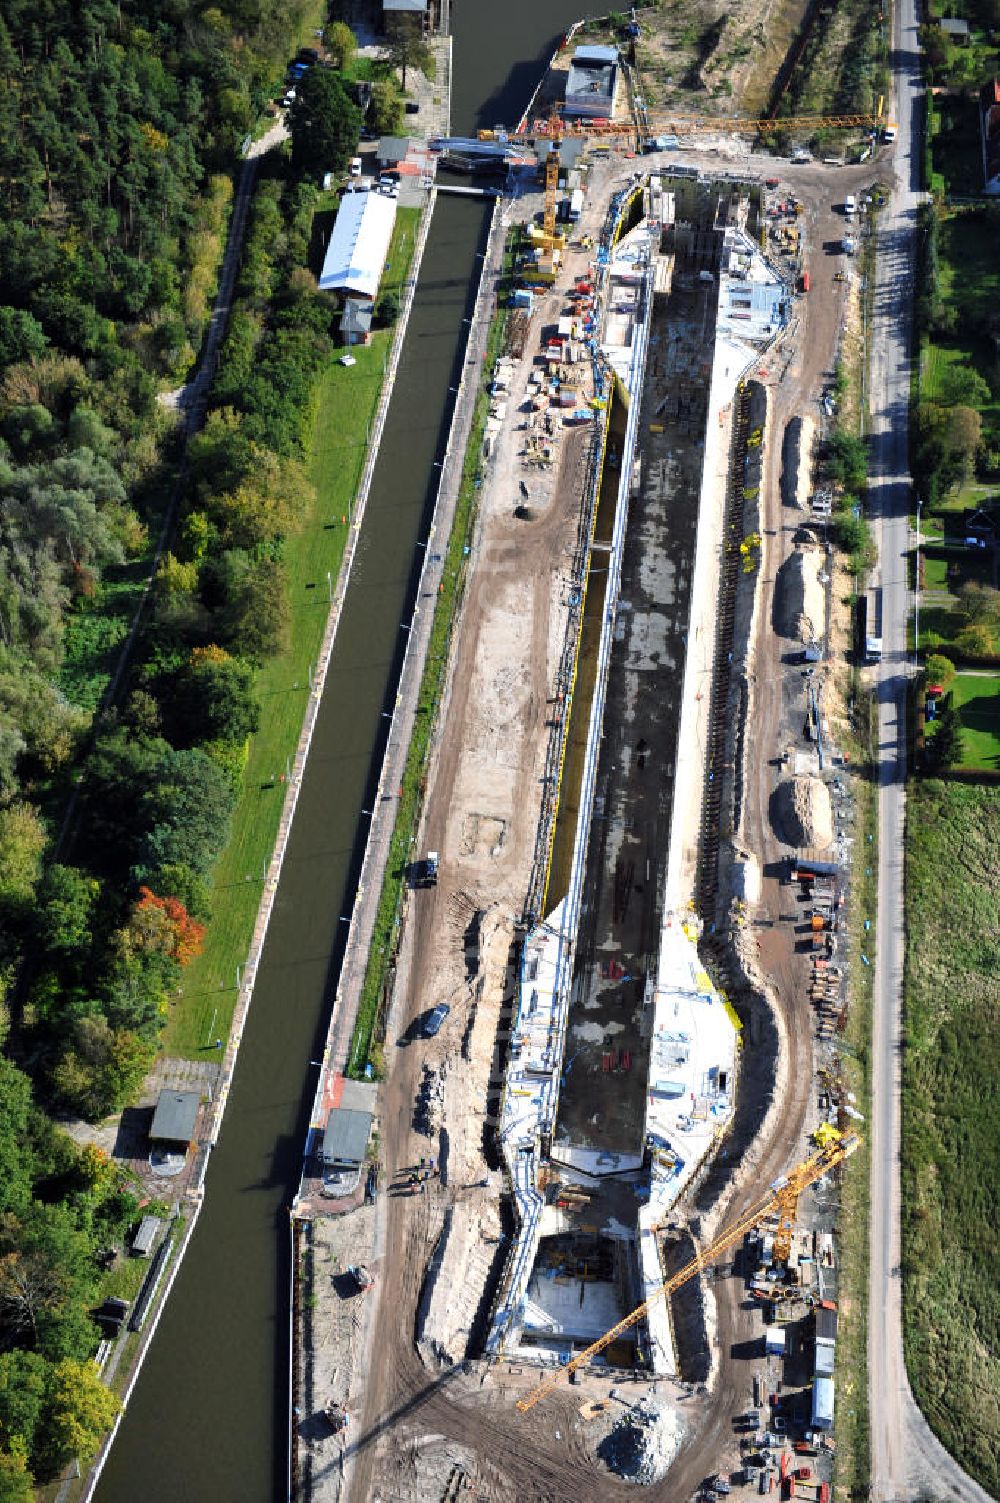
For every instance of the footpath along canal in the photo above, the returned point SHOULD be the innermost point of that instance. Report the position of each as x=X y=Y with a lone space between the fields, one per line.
x=207 y=1420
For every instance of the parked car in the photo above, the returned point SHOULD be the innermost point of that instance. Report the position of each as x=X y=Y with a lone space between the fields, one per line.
x=412 y=107
x=434 y=1019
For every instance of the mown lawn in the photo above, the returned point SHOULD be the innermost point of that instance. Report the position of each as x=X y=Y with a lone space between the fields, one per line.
x=969 y=281
x=950 y=566
x=345 y=404
x=977 y=699
x=938 y=623
x=951 y=1147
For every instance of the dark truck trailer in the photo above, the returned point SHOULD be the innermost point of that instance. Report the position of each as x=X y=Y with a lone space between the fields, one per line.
x=800 y=869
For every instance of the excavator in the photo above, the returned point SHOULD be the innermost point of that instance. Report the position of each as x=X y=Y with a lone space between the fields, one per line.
x=781 y=1200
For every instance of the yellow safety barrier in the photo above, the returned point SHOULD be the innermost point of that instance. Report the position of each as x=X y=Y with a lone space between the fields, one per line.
x=734 y=1018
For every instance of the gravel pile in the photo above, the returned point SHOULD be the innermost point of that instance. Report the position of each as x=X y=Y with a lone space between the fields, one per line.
x=799 y=598
x=643 y=1443
x=430 y=1102
x=804 y=816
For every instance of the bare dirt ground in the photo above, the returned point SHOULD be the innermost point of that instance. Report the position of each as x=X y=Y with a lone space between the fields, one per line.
x=419 y=1431
x=715 y=59
x=795 y=383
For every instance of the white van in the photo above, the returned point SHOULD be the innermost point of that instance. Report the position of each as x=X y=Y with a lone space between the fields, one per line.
x=850 y=205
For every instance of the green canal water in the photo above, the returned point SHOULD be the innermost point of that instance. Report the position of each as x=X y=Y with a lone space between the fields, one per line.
x=207 y=1421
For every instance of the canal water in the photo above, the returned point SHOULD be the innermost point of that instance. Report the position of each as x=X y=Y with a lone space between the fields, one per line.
x=207 y=1421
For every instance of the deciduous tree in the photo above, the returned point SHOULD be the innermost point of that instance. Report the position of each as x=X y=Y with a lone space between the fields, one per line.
x=15 y=1108
x=16 y=1482
x=102 y=1069
x=341 y=43
x=407 y=48
x=213 y=698
x=979 y=603
x=79 y=1412
x=944 y=748
x=324 y=123
x=67 y=898
x=256 y=617
x=22 y=844
x=386 y=108
x=939 y=669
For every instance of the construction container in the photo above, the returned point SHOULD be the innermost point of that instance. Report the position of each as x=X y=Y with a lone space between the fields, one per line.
x=774 y=1341
x=822 y=1404
x=804 y=281
x=825 y=1355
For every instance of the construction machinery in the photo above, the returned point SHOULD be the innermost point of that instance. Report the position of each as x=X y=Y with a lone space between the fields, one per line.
x=781 y=1200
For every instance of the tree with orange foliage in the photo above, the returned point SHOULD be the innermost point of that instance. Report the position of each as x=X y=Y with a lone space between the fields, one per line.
x=164 y=925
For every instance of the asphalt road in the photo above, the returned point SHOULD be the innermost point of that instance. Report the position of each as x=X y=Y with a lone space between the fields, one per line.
x=907 y=1459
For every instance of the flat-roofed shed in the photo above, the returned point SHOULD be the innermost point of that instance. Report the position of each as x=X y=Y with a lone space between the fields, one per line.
x=175 y=1117
x=345 y=1141
x=145 y=1238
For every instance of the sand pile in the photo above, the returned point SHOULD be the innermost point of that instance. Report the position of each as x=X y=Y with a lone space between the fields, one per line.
x=643 y=1443
x=455 y=1282
x=746 y=880
x=803 y=813
x=800 y=598
x=806 y=435
x=796 y=462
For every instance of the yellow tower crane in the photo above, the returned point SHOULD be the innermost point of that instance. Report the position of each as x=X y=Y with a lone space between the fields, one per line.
x=661 y=123
x=781 y=1199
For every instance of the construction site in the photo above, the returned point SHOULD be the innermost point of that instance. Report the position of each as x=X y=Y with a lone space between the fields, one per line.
x=600 y=1216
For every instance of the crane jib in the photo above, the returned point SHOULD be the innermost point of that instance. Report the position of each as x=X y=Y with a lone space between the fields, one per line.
x=781 y=1200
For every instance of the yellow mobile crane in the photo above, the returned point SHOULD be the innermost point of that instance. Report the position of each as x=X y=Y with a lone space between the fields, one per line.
x=781 y=1199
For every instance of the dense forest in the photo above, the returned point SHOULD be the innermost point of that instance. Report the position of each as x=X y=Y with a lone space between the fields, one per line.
x=120 y=130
